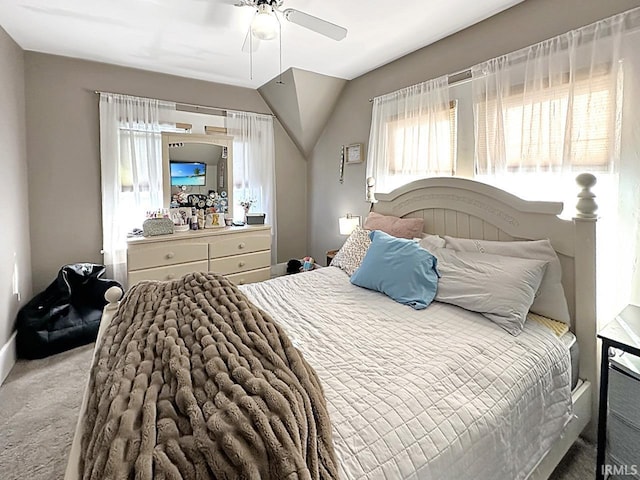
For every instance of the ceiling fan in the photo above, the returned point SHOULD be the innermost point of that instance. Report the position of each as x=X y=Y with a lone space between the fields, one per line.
x=266 y=25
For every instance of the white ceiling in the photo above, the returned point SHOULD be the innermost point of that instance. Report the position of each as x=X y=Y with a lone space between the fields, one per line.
x=203 y=38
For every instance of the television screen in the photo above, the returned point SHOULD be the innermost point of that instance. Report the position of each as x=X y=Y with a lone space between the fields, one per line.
x=188 y=173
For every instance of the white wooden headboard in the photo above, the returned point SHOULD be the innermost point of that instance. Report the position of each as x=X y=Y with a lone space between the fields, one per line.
x=465 y=208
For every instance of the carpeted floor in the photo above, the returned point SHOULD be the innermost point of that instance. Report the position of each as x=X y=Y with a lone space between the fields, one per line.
x=39 y=404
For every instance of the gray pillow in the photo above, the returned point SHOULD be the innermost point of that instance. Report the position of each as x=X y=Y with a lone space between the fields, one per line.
x=550 y=300
x=500 y=288
x=350 y=256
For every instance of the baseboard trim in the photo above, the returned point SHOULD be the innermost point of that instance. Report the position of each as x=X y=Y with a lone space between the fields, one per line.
x=8 y=357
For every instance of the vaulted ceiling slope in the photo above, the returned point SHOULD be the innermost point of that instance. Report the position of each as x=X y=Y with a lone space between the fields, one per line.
x=203 y=39
x=303 y=102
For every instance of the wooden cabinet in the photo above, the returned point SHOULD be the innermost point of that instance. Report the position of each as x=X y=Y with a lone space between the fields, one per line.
x=241 y=253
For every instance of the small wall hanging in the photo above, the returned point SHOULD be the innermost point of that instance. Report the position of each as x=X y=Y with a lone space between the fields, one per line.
x=354 y=153
x=341 y=164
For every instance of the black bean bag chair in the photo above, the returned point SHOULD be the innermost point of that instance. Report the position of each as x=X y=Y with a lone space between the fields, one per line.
x=65 y=315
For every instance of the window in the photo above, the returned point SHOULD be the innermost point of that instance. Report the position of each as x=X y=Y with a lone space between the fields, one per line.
x=139 y=141
x=134 y=175
x=420 y=147
x=556 y=128
x=413 y=135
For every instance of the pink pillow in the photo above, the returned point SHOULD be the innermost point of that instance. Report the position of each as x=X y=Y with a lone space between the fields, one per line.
x=396 y=226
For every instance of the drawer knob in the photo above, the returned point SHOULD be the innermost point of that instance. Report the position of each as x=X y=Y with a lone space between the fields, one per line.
x=241 y=281
x=171 y=276
x=241 y=264
x=171 y=255
x=241 y=245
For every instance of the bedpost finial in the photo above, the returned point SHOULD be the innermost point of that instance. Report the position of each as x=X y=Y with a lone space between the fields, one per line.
x=371 y=194
x=586 y=205
x=113 y=296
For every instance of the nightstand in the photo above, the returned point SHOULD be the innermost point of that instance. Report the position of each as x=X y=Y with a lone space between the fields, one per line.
x=330 y=255
x=619 y=407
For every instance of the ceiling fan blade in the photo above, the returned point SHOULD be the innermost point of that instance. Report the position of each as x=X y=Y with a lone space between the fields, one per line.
x=316 y=24
x=251 y=43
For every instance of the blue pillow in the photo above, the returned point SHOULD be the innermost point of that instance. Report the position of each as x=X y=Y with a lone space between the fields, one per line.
x=399 y=268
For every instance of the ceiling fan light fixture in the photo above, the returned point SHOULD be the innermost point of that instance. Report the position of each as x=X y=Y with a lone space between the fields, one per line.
x=265 y=25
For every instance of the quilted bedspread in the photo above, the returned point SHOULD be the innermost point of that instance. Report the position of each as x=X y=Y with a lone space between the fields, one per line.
x=441 y=393
x=191 y=381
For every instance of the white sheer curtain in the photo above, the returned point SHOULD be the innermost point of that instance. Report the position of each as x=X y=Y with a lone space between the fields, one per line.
x=412 y=135
x=564 y=106
x=131 y=168
x=254 y=165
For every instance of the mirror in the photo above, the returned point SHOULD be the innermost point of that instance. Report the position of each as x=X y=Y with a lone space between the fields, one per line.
x=197 y=164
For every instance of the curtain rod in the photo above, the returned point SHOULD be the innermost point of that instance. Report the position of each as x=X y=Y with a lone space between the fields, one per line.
x=452 y=79
x=186 y=105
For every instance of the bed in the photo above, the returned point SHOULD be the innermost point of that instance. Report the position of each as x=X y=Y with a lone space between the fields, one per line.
x=442 y=392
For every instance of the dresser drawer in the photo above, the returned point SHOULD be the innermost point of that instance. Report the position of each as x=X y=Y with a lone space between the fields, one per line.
x=240 y=263
x=166 y=253
x=246 y=242
x=171 y=272
x=251 y=276
x=619 y=470
x=623 y=440
x=624 y=396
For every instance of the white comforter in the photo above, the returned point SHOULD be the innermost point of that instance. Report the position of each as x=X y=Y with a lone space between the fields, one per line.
x=440 y=393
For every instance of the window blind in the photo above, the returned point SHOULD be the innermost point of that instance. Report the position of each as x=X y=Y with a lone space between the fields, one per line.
x=571 y=125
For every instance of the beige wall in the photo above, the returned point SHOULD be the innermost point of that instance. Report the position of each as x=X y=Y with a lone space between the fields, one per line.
x=64 y=154
x=524 y=24
x=15 y=252
x=291 y=197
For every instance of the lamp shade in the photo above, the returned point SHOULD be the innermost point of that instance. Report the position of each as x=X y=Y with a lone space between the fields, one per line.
x=265 y=24
x=348 y=224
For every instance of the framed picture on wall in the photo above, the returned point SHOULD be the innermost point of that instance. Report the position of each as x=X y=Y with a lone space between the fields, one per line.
x=354 y=153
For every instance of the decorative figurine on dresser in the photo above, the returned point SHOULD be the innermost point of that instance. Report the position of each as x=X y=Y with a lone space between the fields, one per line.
x=619 y=411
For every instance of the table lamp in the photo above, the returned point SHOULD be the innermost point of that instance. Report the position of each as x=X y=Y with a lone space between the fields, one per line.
x=348 y=224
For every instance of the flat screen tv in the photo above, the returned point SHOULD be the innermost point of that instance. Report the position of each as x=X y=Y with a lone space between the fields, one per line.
x=188 y=173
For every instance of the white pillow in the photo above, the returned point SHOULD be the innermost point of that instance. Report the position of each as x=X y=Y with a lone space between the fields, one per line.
x=550 y=300
x=500 y=288
x=430 y=242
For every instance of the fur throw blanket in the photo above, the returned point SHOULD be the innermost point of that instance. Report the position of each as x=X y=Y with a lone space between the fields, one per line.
x=192 y=381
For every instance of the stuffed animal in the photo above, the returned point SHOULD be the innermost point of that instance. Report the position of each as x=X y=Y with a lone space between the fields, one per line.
x=308 y=264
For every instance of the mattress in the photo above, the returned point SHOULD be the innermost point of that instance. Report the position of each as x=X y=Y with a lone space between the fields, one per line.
x=441 y=393
x=571 y=342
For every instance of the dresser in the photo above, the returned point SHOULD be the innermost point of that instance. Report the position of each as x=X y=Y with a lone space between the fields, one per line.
x=243 y=254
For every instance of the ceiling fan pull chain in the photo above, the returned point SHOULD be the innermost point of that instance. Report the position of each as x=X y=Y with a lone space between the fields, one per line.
x=280 y=35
